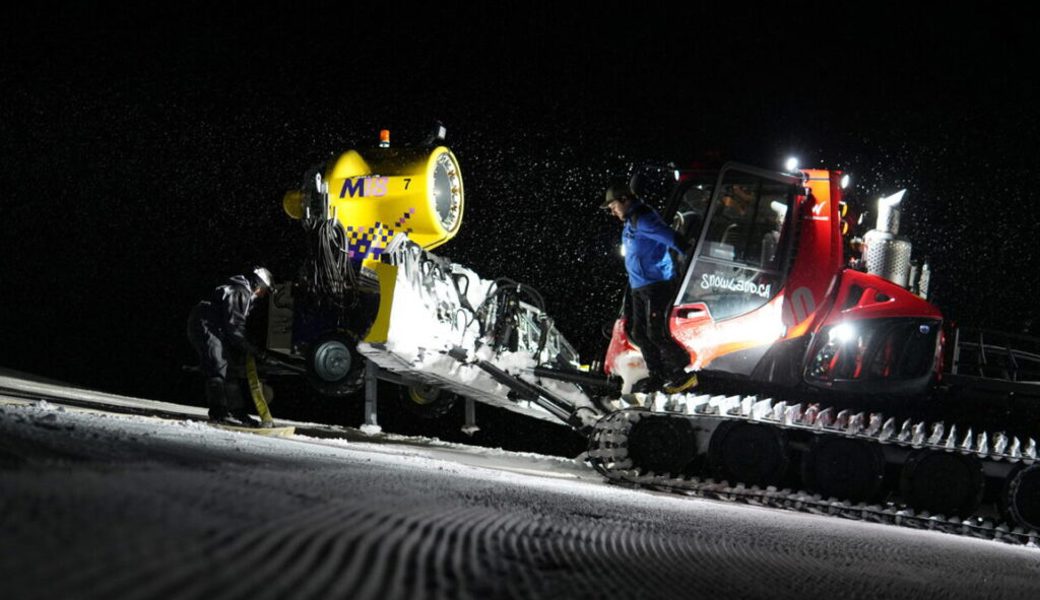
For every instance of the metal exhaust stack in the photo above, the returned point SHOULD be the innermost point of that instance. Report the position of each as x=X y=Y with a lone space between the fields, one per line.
x=888 y=253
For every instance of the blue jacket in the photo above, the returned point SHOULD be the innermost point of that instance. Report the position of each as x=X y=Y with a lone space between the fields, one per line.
x=646 y=240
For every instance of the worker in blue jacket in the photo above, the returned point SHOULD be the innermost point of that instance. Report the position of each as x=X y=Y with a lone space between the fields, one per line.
x=217 y=331
x=646 y=241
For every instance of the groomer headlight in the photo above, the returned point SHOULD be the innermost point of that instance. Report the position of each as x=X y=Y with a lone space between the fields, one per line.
x=842 y=333
x=845 y=180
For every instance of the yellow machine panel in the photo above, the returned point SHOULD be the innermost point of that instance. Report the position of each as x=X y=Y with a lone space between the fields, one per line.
x=416 y=191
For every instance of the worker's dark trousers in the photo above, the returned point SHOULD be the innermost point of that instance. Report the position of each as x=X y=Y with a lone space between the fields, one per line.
x=650 y=306
x=222 y=395
x=207 y=345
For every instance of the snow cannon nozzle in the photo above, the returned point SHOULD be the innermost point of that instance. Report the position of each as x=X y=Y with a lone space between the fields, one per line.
x=377 y=194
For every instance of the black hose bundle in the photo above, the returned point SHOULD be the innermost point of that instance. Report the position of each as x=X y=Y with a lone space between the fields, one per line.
x=332 y=274
x=504 y=294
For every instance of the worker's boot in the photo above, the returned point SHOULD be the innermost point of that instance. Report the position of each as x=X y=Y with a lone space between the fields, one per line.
x=680 y=382
x=216 y=399
x=237 y=406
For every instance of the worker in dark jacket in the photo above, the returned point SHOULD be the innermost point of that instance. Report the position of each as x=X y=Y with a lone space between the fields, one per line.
x=217 y=331
x=646 y=241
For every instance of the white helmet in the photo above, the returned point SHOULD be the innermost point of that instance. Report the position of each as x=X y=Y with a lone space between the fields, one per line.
x=262 y=278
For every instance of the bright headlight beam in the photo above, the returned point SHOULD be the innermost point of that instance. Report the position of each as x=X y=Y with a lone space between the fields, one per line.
x=843 y=333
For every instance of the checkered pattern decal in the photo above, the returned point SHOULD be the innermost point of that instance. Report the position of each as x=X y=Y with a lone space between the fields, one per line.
x=370 y=242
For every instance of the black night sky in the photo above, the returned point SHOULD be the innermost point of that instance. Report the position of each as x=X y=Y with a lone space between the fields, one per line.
x=145 y=151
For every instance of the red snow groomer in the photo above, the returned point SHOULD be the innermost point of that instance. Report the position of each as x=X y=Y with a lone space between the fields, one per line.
x=767 y=295
x=831 y=376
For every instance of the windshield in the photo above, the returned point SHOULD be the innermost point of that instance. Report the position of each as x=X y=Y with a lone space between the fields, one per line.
x=739 y=265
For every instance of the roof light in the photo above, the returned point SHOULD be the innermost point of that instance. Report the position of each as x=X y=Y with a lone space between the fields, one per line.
x=845 y=181
x=791 y=165
x=384 y=138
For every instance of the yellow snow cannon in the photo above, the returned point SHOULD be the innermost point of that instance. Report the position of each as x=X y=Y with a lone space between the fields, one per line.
x=379 y=192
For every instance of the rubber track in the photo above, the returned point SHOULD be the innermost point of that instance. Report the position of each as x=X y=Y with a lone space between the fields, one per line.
x=608 y=454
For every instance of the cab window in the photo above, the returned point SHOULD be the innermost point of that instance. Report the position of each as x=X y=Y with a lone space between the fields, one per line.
x=691 y=211
x=741 y=262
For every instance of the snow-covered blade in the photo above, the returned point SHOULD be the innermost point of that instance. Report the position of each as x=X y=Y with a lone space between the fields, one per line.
x=431 y=306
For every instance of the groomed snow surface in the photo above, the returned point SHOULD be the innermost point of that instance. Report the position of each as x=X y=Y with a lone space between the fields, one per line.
x=102 y=505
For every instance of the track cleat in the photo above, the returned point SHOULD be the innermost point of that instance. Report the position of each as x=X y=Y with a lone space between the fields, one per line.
x=888 y=429
x=1030 y=451
x=906 y=431
x=842 y=420
x=966 y=444
x=793 y=415
x=761 y=410
x=732 y=405
x=825 y=418
x=937 y=433
x=1000 y=443
x=810 y=415
x=917 y=438
x=855 y=424
x=982 y=444
x=703 y=407
x=874 y=424
x=1015 y=450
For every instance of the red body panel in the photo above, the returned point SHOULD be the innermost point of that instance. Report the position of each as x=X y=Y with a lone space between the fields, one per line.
x=880 y=298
